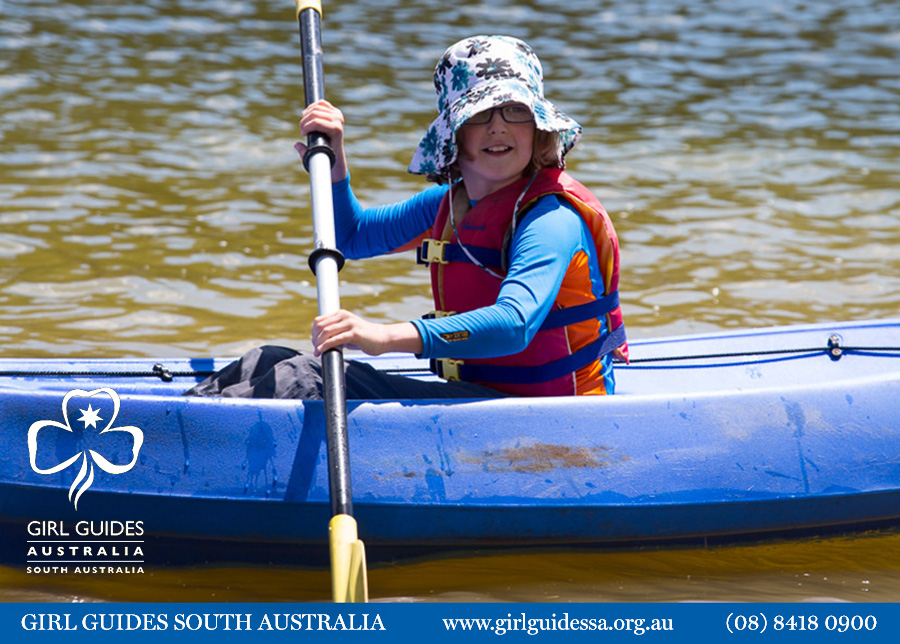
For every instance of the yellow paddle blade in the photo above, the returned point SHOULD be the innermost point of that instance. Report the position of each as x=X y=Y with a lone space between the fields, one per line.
x=348 y=561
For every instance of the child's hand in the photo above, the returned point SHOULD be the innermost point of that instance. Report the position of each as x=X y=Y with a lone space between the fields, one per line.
x=325 y=118
x=345 y=329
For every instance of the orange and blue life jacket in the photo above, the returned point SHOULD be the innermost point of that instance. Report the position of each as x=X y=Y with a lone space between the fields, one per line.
x=569 y=354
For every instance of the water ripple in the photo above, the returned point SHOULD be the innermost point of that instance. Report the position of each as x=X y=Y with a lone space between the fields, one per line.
x=748 y=153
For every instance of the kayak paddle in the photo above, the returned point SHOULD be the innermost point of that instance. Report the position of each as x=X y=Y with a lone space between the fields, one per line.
x=348 y=558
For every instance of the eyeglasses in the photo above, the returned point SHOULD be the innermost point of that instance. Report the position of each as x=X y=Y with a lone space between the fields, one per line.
x=512 y=113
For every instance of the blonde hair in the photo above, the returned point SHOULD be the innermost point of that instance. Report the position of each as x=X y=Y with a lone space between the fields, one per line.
x=547 y=152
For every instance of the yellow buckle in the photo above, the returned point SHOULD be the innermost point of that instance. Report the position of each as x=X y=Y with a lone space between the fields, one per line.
x=431 y=315
x=433 y=251
x=450 y=368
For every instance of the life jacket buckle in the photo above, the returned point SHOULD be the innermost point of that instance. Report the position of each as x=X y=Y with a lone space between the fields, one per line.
x=431 y=250
x=433 y=315
x=448 y=368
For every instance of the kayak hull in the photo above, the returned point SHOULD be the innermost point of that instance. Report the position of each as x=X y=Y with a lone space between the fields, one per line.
x=691 y=449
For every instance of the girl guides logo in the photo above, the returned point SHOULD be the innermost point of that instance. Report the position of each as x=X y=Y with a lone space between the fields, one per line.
x=81 y=441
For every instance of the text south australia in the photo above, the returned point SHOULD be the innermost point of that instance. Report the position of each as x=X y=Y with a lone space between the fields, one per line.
x=203 y=622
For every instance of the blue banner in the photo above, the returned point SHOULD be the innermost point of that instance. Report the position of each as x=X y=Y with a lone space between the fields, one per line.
x=688 y=622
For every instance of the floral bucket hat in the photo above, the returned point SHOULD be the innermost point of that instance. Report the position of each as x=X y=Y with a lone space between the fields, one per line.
x=479 y=73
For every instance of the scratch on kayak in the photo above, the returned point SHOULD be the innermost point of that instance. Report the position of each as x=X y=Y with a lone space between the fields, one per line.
x=797 y=418
x=541 y=457
x=260 y=458
x=781 y=475
x=435 y=482
x=184 y=440
x=405 y=474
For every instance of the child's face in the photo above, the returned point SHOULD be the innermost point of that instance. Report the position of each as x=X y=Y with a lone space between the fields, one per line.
x=493 y=155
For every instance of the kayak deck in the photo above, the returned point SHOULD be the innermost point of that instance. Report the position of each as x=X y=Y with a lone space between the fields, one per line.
x=775 y=357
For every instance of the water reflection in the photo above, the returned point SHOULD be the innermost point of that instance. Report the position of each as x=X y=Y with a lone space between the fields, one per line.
x=858 y=569
x=747 y=151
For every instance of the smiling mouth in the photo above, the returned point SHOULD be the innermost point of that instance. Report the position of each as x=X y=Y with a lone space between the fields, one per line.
x=498 y=149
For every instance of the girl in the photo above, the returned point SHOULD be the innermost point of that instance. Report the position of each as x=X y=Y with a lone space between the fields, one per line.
x=524 y=260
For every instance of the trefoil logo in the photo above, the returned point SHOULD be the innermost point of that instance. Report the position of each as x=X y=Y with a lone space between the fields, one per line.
x=89 y=457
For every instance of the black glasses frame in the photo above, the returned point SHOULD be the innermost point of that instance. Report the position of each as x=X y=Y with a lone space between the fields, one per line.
x=508 y=113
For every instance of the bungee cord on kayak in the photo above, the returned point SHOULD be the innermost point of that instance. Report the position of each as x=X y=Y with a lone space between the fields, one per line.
x=159 y=371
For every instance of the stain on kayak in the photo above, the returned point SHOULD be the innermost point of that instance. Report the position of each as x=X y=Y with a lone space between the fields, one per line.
x=541 y=457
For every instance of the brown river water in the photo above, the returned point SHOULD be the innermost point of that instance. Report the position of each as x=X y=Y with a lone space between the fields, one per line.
x=151 y=204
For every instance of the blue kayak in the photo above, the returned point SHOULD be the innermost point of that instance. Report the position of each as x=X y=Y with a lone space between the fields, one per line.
x=726 y=436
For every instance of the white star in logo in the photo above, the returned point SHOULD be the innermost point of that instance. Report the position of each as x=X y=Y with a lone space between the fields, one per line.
x=90 y=416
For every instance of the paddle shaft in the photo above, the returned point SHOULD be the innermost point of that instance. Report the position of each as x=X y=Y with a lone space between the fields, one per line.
x=326 y=261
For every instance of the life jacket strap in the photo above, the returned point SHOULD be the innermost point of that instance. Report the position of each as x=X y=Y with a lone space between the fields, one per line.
x=452 y=369
x=443 y=252
x=432 y=315
x=587 y=311
x=562 y=317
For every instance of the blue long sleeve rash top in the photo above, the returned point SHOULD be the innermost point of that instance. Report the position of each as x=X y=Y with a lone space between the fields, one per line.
x=546 y=240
